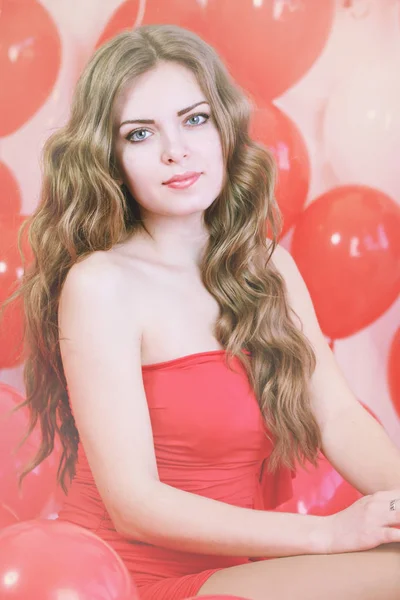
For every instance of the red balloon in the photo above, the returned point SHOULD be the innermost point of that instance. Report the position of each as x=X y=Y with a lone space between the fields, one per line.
x=186 y=14
x=11 y=331
x=11 y=271
x=45 y=559
x=10 y=197
x=124 y=17
x=11 y=264
x=276 y=131
x=319 y=491
x=7 y=517
x=394 y=371
x=40 y=483
x=30 y=52
x=347 y=247
x=267 y=48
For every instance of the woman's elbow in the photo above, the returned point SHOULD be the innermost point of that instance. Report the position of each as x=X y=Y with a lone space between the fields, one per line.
x=138 y=520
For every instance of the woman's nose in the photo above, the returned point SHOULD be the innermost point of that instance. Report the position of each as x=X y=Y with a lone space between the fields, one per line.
x=174 y=150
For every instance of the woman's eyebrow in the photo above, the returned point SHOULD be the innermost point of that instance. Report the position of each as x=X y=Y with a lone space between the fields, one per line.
x=151 y=121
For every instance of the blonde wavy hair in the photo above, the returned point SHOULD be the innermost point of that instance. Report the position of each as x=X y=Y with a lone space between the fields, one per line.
x=83 y=209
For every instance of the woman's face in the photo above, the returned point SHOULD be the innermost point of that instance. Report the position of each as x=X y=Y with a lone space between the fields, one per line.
x=164 y=128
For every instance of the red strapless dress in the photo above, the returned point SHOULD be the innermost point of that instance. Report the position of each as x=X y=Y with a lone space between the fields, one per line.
x=209 y=439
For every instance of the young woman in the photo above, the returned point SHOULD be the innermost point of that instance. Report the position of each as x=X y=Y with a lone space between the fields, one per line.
x=174 y=348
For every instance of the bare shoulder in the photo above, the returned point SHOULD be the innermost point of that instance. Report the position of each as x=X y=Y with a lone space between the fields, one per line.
x=98 y=311
x=98 y=268
x=106 y=278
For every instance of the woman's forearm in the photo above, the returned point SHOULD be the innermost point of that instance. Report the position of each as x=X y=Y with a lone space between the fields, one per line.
x=180 y=520
x=359 y=448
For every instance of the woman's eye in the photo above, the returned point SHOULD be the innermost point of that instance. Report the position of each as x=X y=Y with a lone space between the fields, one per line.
x=198 y=119
x=138 y=135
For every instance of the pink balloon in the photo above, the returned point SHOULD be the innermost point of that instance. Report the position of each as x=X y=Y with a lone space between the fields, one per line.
x=40 y=483
x=10 y=195
x=361 y=127
x=11 y=326
x=49 y=557
x=11 y=271
x=30 y=54
x=320 y=491
x=7 y=517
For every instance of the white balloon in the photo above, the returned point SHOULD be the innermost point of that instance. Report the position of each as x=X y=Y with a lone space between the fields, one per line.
x=361 y=128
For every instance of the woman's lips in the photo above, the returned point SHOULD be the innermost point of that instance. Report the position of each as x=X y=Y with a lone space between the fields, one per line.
x=183 y=183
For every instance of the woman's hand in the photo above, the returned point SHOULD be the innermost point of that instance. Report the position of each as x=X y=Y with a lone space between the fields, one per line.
x=366 y=524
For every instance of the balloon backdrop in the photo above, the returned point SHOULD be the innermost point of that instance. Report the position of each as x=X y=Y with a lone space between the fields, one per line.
x=30 y=52
x=11 y=271
x=40 y=483
x=362 y=126
x=10 y=198
x=43 y=559
x=56 y=499
x=394 y=371
x=124 y=17
x=11 y=332
x=321 y=490
x=347 y=247
x=7 y=517
x=346 y=243
x=276 y=131
x=256 y=40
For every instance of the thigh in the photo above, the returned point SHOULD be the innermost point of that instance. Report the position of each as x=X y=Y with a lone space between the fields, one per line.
x=369 y=575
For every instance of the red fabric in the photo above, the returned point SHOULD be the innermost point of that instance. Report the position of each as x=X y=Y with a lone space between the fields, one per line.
x=209 y=439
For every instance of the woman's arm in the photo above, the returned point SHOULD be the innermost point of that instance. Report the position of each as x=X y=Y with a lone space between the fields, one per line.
x=353 y=441
x=183 y=521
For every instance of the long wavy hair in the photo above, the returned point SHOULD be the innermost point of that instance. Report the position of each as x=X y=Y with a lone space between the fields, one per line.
x=83 y=209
